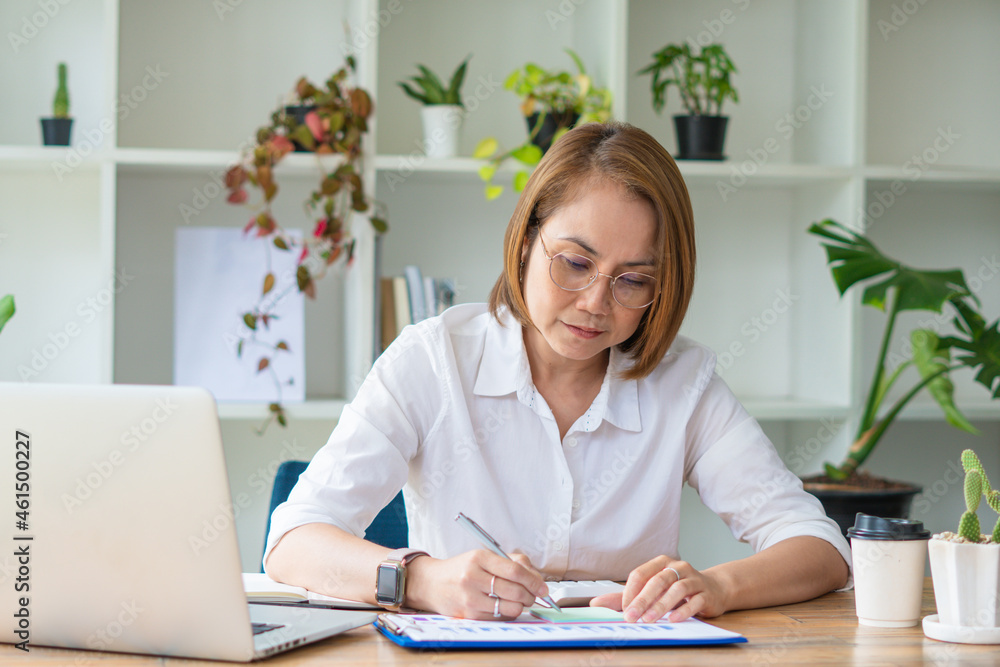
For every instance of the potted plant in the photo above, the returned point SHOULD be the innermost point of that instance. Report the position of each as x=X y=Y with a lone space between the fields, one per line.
x=965 y=566
x=443 y=108
x=56 y=130
x=894 y=287
x=335 y=128
x=6 y=310
x=552 y=103
x=703 y=82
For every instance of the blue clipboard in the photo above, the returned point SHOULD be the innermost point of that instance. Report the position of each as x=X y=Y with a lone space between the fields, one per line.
x=411 y=642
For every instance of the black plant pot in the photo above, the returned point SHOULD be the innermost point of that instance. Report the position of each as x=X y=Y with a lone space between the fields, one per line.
x=842 y=505
x=56 y=131
x=552 y=123
x=298 y=112
x=700 y=137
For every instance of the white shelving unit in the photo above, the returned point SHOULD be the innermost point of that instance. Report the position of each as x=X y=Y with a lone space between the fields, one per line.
x=833 y=108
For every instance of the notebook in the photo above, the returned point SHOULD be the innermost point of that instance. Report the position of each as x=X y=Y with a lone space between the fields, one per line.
x=124 y=529
x=261 y=589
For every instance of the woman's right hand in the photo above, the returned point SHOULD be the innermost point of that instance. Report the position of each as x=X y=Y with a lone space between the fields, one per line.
x=460 y=586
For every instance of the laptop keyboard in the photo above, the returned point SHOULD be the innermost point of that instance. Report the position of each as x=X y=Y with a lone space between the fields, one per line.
x=261 y=628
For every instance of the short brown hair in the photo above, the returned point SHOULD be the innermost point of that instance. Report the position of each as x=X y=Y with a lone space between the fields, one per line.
x=622 y=154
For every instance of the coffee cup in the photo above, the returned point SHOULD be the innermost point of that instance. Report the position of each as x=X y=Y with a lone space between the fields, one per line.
x=888 y=556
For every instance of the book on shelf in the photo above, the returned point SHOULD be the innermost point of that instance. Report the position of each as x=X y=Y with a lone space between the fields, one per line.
x=410 y=298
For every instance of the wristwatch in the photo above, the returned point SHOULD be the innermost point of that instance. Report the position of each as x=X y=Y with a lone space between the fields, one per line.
x=390 y=578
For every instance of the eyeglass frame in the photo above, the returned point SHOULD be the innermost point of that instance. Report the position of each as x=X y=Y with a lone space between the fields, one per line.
x=545 y=252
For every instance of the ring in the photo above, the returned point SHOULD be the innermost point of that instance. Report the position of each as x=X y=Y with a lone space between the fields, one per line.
x=676 y=573
x=496 y=607
x=493 y=582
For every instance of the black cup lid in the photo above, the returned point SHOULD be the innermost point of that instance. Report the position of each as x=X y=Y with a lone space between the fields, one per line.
x=867 y=527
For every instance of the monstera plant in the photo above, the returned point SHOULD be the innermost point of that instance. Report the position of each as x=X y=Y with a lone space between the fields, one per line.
x=893 y=288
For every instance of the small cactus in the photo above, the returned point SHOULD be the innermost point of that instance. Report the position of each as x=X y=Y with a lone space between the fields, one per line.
x=60 y=105
x=977 y=485
x=968 y=527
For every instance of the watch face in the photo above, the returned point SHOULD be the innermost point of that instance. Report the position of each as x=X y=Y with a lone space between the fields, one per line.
x=387 y=584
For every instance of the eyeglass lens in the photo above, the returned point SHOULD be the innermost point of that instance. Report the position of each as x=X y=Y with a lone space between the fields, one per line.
x=575 y=272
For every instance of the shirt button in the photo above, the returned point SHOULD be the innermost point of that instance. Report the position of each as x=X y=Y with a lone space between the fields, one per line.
x=571 y=442
x=576 y=504
x=557 y=546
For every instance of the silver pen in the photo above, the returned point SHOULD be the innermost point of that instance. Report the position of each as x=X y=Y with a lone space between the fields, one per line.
x=487 y=541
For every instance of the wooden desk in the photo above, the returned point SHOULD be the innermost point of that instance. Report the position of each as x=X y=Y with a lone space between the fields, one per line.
x=824 y=631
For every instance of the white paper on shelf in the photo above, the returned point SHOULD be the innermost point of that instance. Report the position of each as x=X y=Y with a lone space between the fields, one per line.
x=218 y=276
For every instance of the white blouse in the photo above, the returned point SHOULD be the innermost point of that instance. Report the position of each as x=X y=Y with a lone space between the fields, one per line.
x=450 y=415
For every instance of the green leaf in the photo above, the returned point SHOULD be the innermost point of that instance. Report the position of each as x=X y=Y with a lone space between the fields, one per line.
x=280 y=243
x=485 y=148
x=302 y=135
x=931 y=360
x=520 y=180
x=833 y=472
x=493 y=191
x=413 y=93
x=854 y=259
x=529 y=154
x=487 y=171
x=250 y=321
x=981 y=345
x=431 y=83
x=239 y=349
x=7 y=309
x=380 y=225
x=302 y=277
x=454 y=93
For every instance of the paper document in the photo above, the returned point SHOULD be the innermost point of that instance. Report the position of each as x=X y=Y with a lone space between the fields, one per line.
x=447 y=632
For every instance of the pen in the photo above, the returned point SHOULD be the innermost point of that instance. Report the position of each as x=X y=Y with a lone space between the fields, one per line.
x=487 y=541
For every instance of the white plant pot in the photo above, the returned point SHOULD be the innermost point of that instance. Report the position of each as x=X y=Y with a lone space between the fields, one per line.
x=442 y=123
x=966 y=583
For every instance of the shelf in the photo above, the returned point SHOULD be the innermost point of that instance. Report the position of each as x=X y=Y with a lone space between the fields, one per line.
x=46 y=157
x=166 y=159
x=310 y=410
x=911 y=175
x=748 y=173
x=696 y=172
x=790 y=409
x=456 y=165
x=974 y=410
x=178 y=161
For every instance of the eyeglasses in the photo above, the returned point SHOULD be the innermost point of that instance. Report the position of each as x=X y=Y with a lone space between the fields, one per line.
x=574 y=273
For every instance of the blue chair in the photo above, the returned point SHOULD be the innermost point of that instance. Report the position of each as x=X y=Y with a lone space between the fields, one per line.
x=388 y=529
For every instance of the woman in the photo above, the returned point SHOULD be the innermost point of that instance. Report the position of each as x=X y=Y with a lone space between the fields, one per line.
x=564 y=418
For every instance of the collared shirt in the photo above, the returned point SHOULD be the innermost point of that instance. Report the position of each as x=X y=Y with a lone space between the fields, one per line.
x=449 y=414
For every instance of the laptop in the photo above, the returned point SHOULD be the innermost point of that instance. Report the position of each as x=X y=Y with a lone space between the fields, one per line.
x=119 y=531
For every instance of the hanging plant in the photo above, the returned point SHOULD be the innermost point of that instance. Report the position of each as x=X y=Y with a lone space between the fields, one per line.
x=333 y=128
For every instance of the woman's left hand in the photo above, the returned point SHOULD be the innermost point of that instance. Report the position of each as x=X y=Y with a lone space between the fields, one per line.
x=666 y=587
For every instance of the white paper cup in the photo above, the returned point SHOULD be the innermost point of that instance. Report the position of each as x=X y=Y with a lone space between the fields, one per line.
x=888 y=556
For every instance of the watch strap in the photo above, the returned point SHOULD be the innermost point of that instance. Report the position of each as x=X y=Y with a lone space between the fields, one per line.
x=404 y=555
